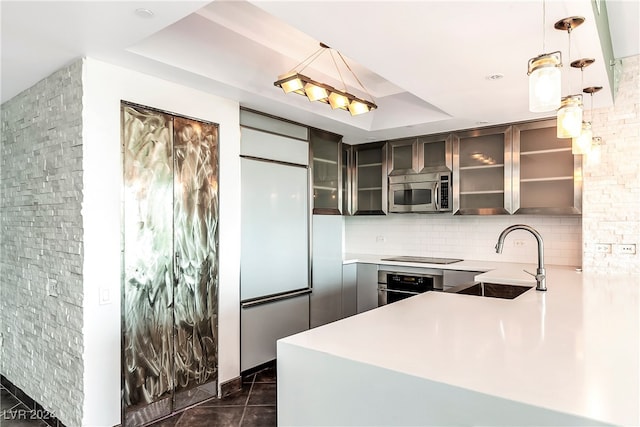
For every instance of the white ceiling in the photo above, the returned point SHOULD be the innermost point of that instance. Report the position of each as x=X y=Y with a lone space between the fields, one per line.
x=426 y=63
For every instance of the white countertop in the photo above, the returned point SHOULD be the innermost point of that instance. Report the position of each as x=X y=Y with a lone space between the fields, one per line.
x=573 y=349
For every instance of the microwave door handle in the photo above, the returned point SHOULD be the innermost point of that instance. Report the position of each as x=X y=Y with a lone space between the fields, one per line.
x=436 y=190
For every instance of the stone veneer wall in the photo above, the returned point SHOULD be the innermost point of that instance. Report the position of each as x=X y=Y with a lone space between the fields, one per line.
x=611 y=195
x=41 y=251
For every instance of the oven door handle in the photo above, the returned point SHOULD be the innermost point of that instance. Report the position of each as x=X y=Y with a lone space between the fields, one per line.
x=396 y=291
x=436 y=191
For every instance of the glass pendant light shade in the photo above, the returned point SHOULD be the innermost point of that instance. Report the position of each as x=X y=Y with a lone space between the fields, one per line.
x=356 y=107
x=582 y=144
x=289 y=82
x=544 y=82
x=570 y=117
x=315 y=93
x=338 y=100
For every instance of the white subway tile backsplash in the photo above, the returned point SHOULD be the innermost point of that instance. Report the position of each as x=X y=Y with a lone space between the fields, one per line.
x=468 y=237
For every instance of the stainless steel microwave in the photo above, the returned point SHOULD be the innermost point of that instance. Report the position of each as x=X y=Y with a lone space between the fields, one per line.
x=426 y=192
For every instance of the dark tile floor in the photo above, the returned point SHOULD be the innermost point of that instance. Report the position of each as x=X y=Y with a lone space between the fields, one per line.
x=253 y=406
x=14 y=413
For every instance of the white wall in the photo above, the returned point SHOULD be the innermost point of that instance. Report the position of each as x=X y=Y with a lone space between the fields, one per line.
x=468 y=237
x=105 y=86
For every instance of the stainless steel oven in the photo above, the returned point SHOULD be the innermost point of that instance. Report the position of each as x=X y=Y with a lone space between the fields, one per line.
x=394 y=286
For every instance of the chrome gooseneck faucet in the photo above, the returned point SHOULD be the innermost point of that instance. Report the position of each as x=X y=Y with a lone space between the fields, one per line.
x=541 y=281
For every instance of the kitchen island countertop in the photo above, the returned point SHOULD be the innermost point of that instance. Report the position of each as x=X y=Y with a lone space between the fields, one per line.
x=566 y=356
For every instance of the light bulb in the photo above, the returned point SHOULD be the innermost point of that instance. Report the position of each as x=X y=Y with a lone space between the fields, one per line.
x=569 y=124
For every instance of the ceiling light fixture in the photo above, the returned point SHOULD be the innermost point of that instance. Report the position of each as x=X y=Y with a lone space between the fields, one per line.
x=544 y=77
x=144 y=13
x=569 y=124
x=293 y=81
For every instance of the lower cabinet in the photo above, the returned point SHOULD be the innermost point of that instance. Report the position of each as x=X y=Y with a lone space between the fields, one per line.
x=367 y=286
x=334 y=295
x=453 y=278
x=349 y=290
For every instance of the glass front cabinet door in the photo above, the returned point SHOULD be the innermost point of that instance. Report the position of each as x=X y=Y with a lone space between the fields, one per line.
x=434 y=153
x=326 y=156
x=347 y=179
x=547 y=176
x=402 y=156
x=482 y=172
x=369 y=179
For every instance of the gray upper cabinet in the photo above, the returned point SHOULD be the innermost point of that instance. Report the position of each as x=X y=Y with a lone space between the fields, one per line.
x=347 y=179
x=402 y=156
x=434 y=152
x=326 y=163
x=430 y=153
x=482 y=171
x=547 y=177
x=369 y=179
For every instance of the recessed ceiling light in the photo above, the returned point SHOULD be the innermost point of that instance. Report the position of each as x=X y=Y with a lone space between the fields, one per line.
x=144 y=13
x=496 y=76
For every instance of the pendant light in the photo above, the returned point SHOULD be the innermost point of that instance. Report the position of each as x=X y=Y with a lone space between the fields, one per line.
x=582 y=143
x=544 y=77
x=295 y=82
x=585 y=142
x=569 y=116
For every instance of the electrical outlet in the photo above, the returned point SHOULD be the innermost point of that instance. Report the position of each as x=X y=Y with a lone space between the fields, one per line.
x=603 y=248
x=379 y=238
x=518 y=243
x=628 y=249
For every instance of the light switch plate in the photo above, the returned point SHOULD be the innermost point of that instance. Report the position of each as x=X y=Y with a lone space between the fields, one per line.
x=105 y=296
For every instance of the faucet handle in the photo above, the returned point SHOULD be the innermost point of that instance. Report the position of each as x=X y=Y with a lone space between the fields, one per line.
x=539 y=276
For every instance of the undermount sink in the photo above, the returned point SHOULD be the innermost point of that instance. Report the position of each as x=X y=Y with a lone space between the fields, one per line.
x=492 y=290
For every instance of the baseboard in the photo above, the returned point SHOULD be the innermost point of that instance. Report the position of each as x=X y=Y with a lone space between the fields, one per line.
x=229 y=387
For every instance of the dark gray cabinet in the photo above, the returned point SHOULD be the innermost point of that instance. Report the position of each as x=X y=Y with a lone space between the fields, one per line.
x=435 y=152
x=402 y=156
x=547 y=177
x=369 y=179
x=482 y=171
x=326 y=164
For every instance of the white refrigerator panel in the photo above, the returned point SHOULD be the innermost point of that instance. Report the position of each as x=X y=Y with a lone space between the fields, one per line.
x=264 y=324
x=266 y=145
x=275 y=229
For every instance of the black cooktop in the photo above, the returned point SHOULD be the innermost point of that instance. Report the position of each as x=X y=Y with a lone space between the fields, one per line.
x=423 y=259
